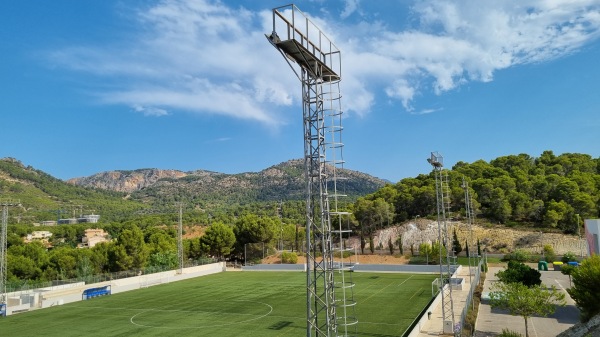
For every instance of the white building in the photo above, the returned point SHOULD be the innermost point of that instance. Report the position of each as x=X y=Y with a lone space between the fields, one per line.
x=92 y=237
x=592 y=235
x=38 y=235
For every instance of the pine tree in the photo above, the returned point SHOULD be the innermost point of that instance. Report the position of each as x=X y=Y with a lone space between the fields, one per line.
x=456 y=247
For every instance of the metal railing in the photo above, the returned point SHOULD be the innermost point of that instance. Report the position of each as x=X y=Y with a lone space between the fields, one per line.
x=474 y=283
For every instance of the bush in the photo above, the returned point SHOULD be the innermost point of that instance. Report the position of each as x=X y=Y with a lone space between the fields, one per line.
x=568 y=257
x=584 y=291
x=518 y=272
x=345 y=254
x=289 y=257
x=518 y=255
x=549 y=253
x=509 y=333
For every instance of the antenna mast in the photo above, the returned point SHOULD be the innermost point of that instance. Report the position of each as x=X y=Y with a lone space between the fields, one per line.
x=316 y=61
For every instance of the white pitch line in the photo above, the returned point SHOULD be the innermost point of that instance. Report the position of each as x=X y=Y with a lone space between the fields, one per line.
x=406 y=280
x=533 y=326
x=416 y=292
x=560 y=285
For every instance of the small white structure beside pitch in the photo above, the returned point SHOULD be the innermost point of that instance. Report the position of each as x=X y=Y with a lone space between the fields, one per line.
x=592 y=235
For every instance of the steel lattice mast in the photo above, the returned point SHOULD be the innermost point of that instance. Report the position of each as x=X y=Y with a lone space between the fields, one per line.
x=3 y=245
x=330 y=302
x=180 y=238
x=442 y=197
x=469 y=214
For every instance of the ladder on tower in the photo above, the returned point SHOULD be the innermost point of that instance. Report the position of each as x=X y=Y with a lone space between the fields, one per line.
x=316 y=61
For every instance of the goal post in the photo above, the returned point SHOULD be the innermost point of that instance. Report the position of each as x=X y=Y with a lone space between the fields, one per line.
x=255 y=252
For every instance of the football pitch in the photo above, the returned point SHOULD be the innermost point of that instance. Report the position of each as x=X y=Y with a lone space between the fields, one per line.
x=227 y=304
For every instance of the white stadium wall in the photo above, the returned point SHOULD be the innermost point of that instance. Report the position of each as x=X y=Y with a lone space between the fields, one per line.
x=592 y=236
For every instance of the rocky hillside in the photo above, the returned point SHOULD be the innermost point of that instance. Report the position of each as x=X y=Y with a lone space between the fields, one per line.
x=494 y=239
x=126 y=181
x=284 y=181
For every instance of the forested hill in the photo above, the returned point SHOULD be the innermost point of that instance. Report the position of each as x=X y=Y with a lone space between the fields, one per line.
x=43 y=197
x=282 y=182
x=545 y=192
x=121 y=195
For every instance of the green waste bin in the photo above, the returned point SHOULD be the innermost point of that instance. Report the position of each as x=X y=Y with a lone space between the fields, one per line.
x=543 y=265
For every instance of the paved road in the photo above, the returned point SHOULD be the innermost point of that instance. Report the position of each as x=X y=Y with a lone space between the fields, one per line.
x=491 y=322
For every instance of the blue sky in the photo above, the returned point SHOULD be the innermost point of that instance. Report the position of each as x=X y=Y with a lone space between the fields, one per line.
x=92 y=86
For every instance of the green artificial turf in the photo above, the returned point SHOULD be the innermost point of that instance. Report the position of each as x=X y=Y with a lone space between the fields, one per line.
x=227 y=304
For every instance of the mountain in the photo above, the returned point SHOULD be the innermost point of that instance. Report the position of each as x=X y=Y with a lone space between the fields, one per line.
x=284 y=181
x=126 y=181
x=43 y=197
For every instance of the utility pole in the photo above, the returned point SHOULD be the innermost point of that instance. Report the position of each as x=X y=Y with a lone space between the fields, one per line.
x=180 y=238
x=579 y=234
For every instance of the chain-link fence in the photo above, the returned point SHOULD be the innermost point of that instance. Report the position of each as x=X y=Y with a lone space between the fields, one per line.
x=22 y=286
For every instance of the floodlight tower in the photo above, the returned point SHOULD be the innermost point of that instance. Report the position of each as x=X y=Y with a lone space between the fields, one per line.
x=3 y=244
x=441 y=187
x=469 y=214
x=330 y=302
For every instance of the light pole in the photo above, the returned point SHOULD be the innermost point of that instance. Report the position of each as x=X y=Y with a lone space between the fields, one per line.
x=579 y=234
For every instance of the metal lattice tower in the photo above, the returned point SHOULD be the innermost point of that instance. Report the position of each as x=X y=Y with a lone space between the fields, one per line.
x=3 y=245
x=330 y=301
x=469 y=214
x=442 y=197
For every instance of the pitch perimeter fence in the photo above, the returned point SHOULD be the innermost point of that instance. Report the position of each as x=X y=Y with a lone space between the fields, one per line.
x=476 y=277
x=36 y=295
x=28 y=285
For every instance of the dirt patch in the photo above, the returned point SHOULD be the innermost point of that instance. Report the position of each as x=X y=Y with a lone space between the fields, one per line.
x=192 y=232
x=361 y=259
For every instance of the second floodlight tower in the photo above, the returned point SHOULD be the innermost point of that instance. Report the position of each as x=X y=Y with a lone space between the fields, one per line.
x=443 y=201
x=316 y=61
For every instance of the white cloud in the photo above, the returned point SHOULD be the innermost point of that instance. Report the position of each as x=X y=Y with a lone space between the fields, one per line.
x=425 y=111
x=150 y=111
x=218 y=140
x=350 y=7
x=460 y=41
x=203 y=56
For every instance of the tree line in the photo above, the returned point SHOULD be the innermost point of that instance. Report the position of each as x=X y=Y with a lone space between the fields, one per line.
x=141 y=246
x=553 y=192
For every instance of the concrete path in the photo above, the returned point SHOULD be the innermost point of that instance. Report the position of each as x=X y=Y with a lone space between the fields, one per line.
x=434 y=326
x=491 y=322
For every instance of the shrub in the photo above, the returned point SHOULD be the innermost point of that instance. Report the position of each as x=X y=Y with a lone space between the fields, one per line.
x=484 y=267
x=289 y=257
x=345 y=254
x=518 y=272
x=584 y=291
x=518 y=255
x=568 y=257
x=509 y=333
x=549 y=253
